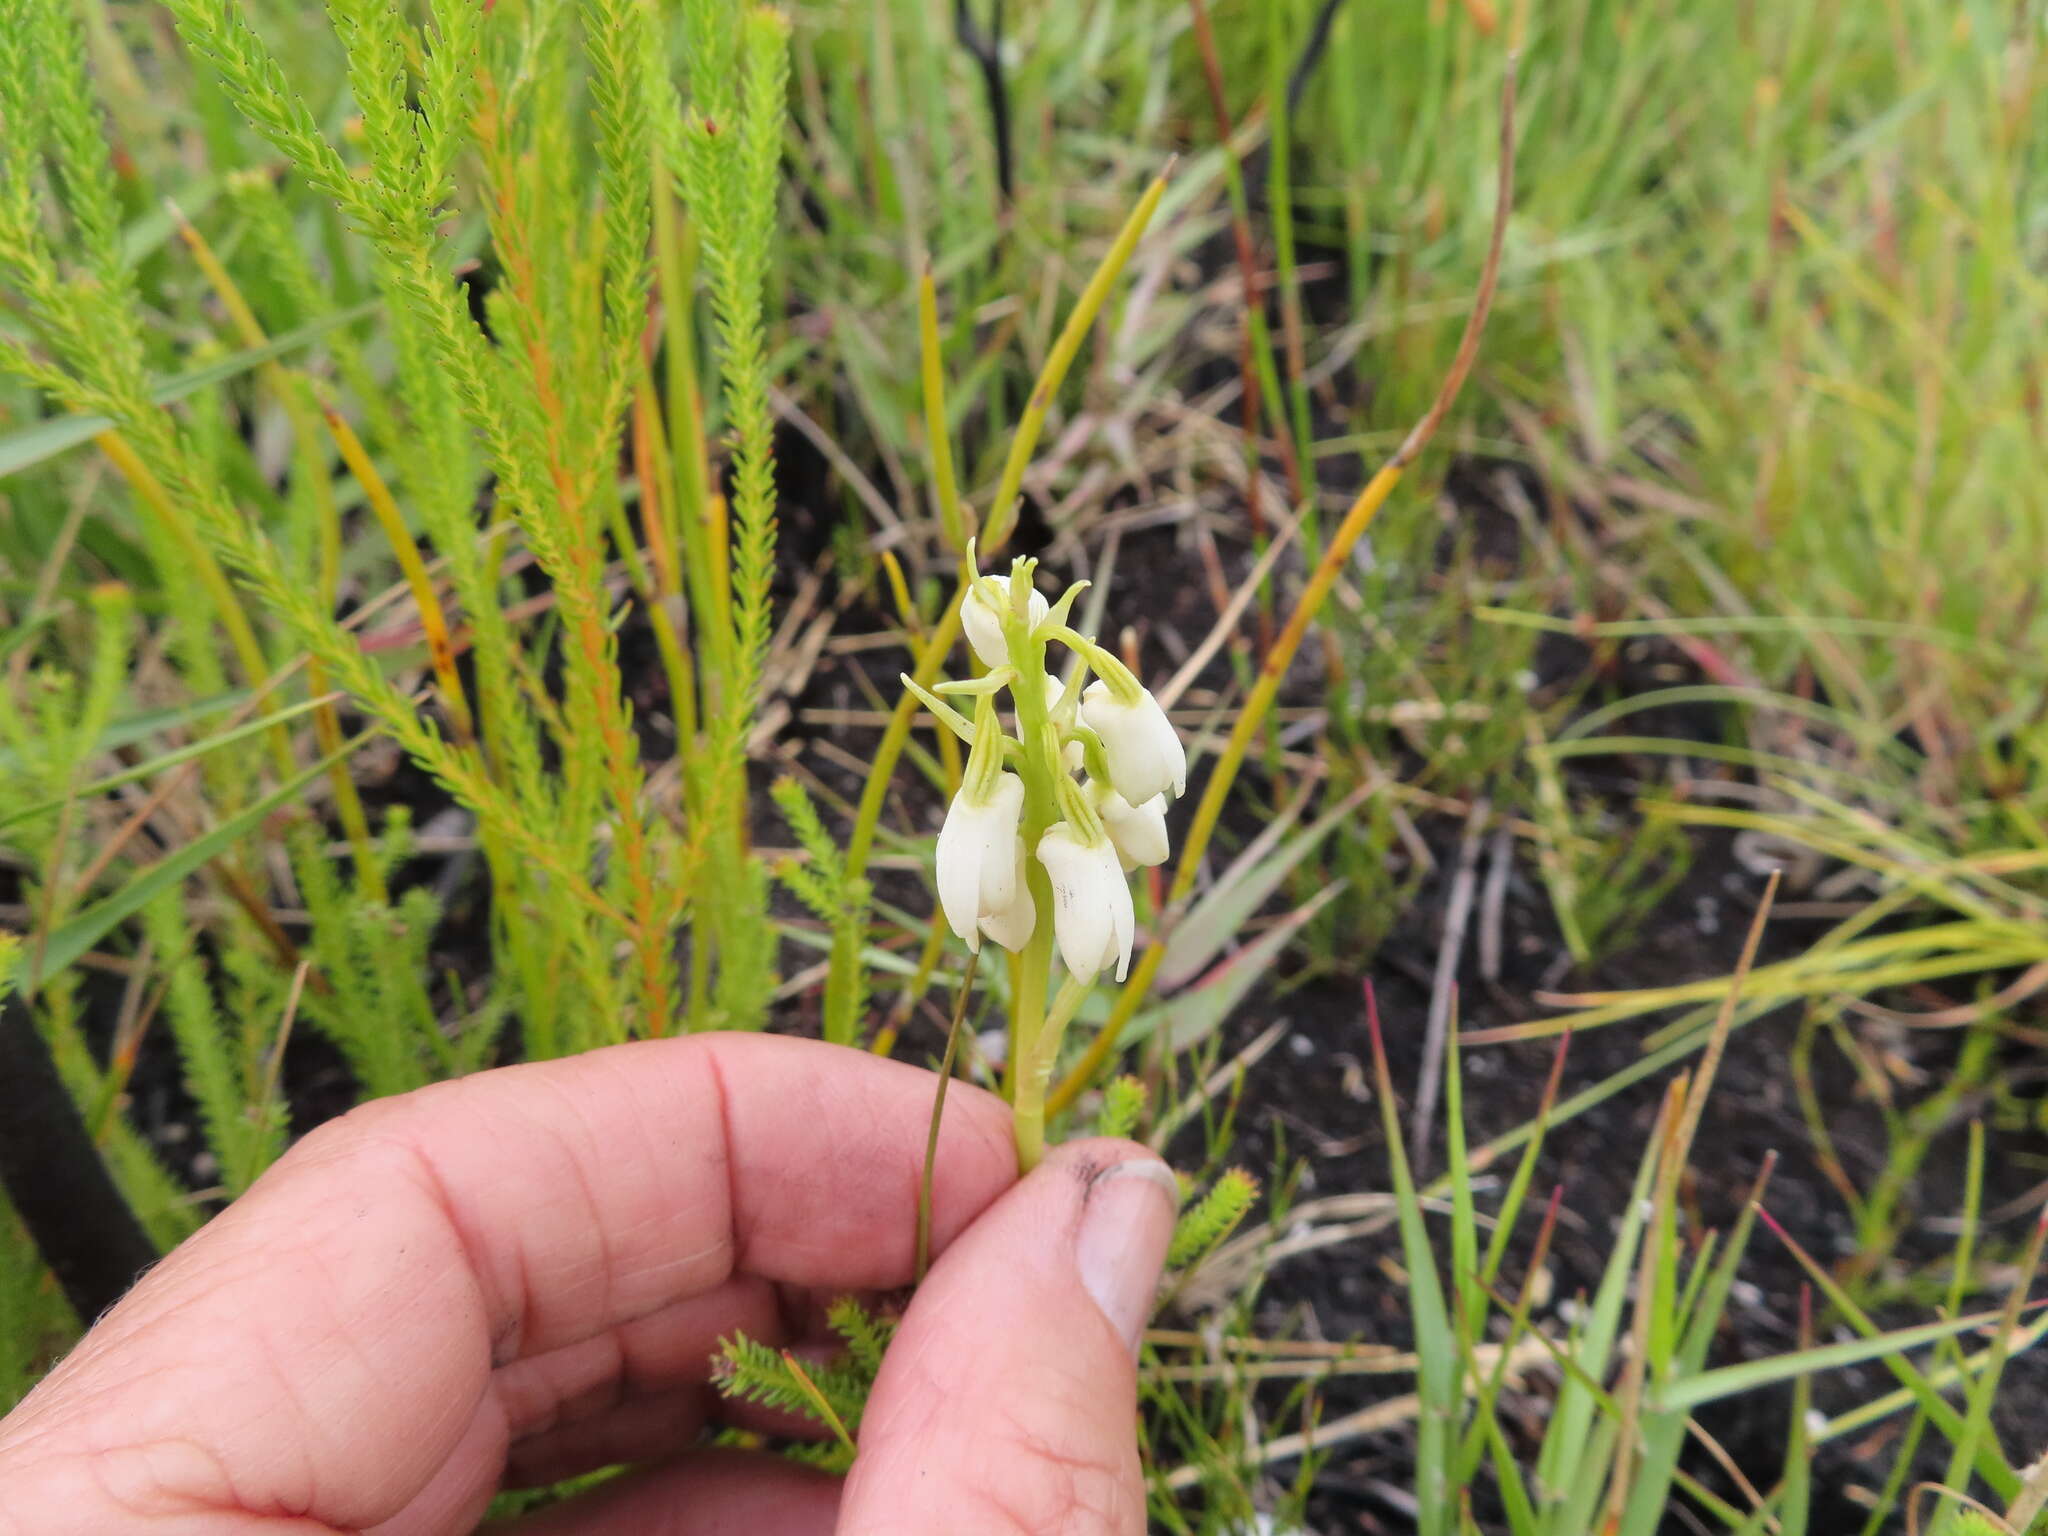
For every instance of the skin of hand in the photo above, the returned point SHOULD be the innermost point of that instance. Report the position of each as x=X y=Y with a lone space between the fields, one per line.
x=521 y=1275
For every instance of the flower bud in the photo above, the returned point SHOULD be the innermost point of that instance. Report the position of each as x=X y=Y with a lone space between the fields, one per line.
x=980 y=864
x=1091 y=902
x=1138 y=831
x=1144 y=751
x=984 y=624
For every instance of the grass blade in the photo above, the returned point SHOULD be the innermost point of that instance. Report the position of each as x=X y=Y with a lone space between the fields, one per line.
x=172 y=758
x=1728 y=1380
x=1435 y=1348
x=31 y=445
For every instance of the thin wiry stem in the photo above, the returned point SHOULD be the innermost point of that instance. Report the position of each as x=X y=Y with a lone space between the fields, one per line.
x=1281 y=654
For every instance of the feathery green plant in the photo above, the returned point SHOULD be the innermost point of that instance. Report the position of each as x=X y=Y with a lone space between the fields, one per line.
x=1123 y=1105
x=831 y=1394
x=470 y=122
x=1212 y=1218
x=821 y=882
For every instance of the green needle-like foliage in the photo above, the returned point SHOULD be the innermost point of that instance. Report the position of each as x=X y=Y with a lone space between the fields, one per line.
x=866 y=1335
x=1212 y=1218
x=832 y=1394
x=469 y=121
x=821 y=882
x=1123 y=1105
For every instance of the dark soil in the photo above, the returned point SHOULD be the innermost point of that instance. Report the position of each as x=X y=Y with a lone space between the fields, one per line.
x=1312 y=1094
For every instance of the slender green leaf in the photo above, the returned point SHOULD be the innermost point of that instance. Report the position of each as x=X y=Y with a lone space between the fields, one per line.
x=1221 y=915
x=1709 y=1386
x=1798 y=1479
x=1562 y=1458
x=1195 y=1014
x=1436 y=1349
x=148 y=232
x=172 y=758
x=33 y=444
x=1991 y=1463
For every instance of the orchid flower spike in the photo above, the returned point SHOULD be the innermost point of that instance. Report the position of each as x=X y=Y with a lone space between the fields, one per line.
x=1144 y=751
x=1091 y=901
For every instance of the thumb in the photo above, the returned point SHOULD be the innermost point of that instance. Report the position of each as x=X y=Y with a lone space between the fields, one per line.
x=1008 y=1401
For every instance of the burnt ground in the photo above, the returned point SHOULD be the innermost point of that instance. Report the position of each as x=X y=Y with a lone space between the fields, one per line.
x=1310 y=1095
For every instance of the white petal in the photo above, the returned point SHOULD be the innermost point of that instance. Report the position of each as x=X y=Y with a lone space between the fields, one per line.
x=984 y=632
x=1124 y=920
x=999 y=867
x=1145 y=754
x=1173 y=753
x=984 y=625
x=1013 y=925
x=1139 y=832
x=1091 y=906
x=977 y=864
x=959 y=870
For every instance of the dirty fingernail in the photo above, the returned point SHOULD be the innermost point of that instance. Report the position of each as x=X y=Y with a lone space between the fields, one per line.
x=1125 y=1229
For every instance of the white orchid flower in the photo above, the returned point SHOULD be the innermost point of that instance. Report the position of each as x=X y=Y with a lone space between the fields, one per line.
x=1138 y=831
x=1092 y=915
x=1145 y=754
x=981 y=873
x=984 y=622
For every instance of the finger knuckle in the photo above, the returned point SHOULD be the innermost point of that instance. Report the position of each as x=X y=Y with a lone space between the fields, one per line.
x=378 y=1127
x=145 y=1479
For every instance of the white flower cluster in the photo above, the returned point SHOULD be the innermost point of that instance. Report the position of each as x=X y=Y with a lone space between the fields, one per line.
x=1087 y=833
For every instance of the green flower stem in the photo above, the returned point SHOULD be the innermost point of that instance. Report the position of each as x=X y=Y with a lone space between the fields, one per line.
x=1040 y=771
x=1035 y=1072
x=1028 y=1024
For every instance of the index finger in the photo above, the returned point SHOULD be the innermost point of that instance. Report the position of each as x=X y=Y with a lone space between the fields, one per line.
x=320 y=1348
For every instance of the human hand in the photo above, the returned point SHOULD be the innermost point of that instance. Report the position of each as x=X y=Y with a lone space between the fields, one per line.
x=521 y=1275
